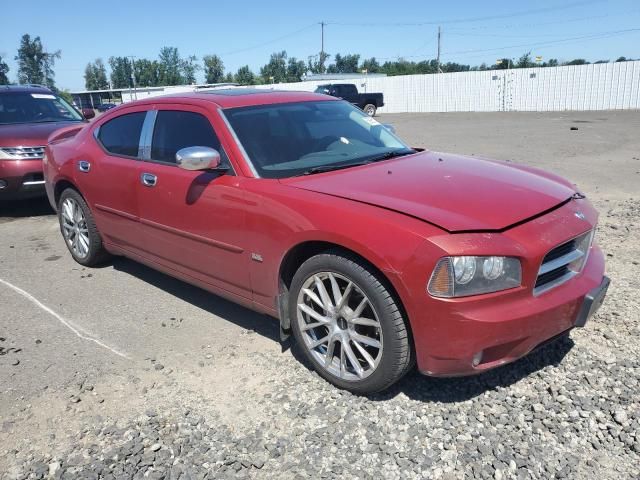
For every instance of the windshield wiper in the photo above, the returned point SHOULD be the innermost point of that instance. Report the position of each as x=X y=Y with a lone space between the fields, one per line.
x=391 y=154
x=330 y=168
x=379 y=158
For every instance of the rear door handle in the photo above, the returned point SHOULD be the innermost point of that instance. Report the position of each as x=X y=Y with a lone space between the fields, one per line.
x=148 y=180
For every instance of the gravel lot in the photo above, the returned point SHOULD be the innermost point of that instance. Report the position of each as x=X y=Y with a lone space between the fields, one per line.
x=135 y=375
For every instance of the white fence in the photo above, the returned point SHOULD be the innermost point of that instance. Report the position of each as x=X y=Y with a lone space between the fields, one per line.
x=605 y=86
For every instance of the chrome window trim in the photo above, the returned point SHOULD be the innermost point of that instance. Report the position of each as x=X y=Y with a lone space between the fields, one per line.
x=239 y=144
x=146 y=135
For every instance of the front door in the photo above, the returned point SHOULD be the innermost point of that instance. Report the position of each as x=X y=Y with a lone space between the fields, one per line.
x=192 y=221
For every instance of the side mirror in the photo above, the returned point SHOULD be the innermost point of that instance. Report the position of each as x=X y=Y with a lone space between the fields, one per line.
x=88 y=113
x=198 y=158
x=389 y=127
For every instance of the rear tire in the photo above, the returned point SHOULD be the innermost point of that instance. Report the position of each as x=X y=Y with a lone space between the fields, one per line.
x=79 y=230
x=360 y=349
x=370 y=109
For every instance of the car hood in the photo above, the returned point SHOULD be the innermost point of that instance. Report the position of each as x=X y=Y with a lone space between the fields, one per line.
x=456 y=193
x=29 y=134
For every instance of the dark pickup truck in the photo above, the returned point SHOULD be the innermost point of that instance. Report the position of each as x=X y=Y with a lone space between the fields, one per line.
x=368 y=102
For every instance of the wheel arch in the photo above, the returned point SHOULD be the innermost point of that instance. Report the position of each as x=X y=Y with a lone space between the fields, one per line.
x=301 y=252
x=61 y=185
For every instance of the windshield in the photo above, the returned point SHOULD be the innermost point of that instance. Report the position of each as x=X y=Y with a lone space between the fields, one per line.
x=35 y=108
x=290 y=139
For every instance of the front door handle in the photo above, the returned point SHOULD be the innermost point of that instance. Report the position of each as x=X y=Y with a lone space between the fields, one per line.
x=148 y=180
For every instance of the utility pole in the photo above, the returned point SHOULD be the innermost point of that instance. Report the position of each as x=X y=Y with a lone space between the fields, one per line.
x=322 y=24
x=133 y=77
x=438 y=58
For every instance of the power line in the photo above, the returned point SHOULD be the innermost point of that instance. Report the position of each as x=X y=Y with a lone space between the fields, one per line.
x=525 y=45
x=551 y=42
x=564 y=21
x=470 y=19
x=269 y=42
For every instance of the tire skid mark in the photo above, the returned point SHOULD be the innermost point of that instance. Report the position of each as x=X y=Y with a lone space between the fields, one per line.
x=76 y=330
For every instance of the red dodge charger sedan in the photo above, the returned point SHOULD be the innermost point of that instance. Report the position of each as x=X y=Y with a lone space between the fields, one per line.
x=376 y=256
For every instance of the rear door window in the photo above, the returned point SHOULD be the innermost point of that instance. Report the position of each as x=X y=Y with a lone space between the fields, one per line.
x=121 y=136
x=176 y=129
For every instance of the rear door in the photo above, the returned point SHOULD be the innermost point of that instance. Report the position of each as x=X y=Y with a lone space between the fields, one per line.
x=193 y=221
x=109 y=176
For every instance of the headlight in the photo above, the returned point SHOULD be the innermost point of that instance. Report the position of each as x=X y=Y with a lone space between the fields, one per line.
x=463 y=276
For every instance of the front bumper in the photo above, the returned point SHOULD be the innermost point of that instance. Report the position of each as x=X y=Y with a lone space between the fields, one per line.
x=20 y=179
x=486 y=334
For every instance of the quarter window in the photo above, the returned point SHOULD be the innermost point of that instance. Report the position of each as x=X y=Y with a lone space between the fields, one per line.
x=121 y=136
x=176 y=129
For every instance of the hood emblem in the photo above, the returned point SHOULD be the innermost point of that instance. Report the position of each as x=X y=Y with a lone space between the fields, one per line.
x=579 y=215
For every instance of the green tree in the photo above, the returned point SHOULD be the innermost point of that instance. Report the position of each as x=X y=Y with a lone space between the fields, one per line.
x=4 y=69
x=452 y=67
x=100 y=75
x=120 y=72
x=213 y=69
x=525 y=61
x=65 y=94
x=89 y=77
x=229 y=78
x=244 y=76
x=371 y=65
x=577 y=61
x=189 y=69
x=35 y=65
x=344 y=64
x=295 y=70
x=504 y=64
x=553 y=62
x=95 y=76
x=171 y=67
x=276 y=70
x=147 y=72
x=316 y=62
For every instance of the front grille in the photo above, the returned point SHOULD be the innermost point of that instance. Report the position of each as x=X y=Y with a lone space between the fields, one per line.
x=560 y=251
x=563 y=263
x=551 y=276
x=23 y=153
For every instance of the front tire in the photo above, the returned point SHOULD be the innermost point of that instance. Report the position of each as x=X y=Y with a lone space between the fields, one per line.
x=79 y=229
x=348 y=324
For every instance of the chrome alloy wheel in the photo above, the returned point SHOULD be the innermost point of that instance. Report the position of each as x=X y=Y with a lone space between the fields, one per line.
x=74 y=228
x=339 y=325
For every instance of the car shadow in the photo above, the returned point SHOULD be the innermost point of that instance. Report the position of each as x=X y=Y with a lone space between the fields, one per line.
x=33 y=207
x=413 y=385
x=241 y=316
x=459 y=389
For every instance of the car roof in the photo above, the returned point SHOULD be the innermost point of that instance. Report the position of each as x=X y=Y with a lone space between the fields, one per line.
x=238 y=97
x=24 y=89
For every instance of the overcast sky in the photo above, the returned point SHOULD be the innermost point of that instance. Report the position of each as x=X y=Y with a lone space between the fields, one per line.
x=247 y=32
